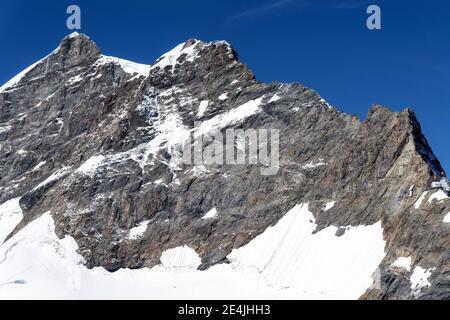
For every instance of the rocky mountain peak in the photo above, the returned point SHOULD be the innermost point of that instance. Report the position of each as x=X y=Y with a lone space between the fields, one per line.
x=93 y=143
x=197 y=59
x=190 y=42
x=77 y=49
x=382 y=117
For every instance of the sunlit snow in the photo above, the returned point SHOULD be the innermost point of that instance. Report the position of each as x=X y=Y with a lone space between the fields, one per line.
x=403 y=262
x=321 y=265
x=180 y=258
x=58 y=174
x=275 y=98
x=419 y=201
x=447 y=218
x=314 y=164
x=228 y=118
x=138 y=231
x=10 y=215
x=419 y=278
x=91 y=165
x=440 y=195
x=223 y=97
x=210 y=214
x=38 y=166
x=171 y=58
x=127 y=66
x=16 y=79
x=287 y=261
x=202 y=108
x=330 y=205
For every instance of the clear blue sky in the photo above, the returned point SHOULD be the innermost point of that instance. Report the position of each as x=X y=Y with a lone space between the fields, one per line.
x=323 y=44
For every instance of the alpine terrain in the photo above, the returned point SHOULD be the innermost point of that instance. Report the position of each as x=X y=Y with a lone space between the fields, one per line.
x=97 y=202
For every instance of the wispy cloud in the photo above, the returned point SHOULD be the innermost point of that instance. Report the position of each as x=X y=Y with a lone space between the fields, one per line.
x=270 y=6
x=348 y=5
x=263 y=9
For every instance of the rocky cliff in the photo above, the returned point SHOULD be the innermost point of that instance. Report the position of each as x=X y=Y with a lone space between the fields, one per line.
x=93 y=140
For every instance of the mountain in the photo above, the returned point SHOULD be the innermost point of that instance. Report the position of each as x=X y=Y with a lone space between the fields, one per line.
x=98 y=202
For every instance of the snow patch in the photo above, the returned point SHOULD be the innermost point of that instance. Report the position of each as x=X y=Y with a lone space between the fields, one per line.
x=51 y=96
x=223 y=97
x=439 y=196
x=419 y=279
x=74 y=80
x=21 y=152
x=173 y=135
x=326 y=103
x=320 y=265
x=129 y=67
x=171 y=58
x=73 y=35
x=138 y=231
x=202 y=108
x=231 y=117
x=314 y=164
x=132 y=67
x=419 y=201
x=403 y=262
x=275 y=98
x=58 y=174
x=329 y=205
x=180 y=258
x=91 y=165
x=5 y=129
x=210 y=214
x=447 y=218
x=198 y=171
x=38 y=166
x=411 y=190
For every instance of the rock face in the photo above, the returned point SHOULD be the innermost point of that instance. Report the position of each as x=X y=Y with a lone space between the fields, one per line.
x=95 y=143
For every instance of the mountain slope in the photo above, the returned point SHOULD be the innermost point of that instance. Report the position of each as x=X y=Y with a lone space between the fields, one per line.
x=94 y=143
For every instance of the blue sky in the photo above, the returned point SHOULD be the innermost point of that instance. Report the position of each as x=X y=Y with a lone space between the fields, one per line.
x=323 y=44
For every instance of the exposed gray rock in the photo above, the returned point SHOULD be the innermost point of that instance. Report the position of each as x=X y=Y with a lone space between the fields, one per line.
x=74 y=105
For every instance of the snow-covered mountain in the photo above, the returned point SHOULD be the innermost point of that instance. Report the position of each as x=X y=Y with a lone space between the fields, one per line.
x=97 y=202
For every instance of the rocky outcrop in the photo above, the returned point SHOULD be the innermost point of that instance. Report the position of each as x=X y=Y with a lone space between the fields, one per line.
x=96 y=145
